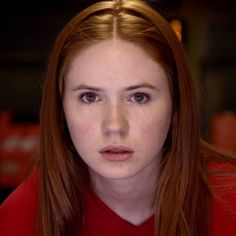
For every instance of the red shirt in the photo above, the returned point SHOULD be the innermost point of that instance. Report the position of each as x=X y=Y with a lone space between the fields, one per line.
x=100 y=220
x=18 y=214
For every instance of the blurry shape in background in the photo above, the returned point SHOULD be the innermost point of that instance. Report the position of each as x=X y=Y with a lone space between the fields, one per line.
x=223 y=130
x=177 y=27
x=19 y=147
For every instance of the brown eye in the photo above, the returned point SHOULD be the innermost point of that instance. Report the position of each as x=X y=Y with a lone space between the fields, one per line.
x=89 y=97
x=140 y=98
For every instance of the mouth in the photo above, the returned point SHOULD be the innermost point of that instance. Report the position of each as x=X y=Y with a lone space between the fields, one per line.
x=116 y=153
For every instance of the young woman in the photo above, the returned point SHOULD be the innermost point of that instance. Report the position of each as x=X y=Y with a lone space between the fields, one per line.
x=120 y=147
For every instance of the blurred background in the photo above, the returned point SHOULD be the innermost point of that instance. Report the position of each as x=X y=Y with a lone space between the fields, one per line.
x=206 y=28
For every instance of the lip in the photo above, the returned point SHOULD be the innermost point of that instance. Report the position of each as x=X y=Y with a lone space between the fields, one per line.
x=116 y=153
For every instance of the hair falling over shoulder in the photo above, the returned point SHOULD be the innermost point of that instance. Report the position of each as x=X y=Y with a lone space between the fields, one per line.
x=182 y=193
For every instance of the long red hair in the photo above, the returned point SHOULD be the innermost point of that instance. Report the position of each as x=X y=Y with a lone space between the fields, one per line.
x=182 y=193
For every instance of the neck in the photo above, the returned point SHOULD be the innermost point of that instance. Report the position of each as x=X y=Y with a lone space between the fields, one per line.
x=131 y=198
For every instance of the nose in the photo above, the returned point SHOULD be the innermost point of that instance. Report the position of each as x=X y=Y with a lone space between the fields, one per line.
x=115 y=121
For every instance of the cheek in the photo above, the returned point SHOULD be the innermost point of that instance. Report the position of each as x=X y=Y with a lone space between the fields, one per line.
x=82 y=126
x=80 y=129
x=80 y=135
x=154 y=127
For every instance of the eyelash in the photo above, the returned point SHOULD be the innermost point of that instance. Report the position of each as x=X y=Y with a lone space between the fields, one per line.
x=147 y=98
x=82 y=97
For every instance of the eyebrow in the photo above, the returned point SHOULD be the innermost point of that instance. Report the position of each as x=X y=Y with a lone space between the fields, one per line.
x=133 y=87
x=142 y=85
x=86 y=87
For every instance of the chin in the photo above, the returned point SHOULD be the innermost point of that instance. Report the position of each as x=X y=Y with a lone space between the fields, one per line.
x=117 y=175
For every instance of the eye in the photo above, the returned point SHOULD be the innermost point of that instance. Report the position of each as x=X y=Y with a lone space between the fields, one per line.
x=89 y=97
x=140 y=98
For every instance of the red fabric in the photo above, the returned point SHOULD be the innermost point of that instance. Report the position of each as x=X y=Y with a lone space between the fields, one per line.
x=224 y=202
x=18 y=213
x=102 y=221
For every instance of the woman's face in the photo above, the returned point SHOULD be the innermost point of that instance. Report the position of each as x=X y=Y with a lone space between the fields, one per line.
x=117 y=106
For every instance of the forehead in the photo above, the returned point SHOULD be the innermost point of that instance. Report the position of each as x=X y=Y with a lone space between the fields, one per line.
x=113 y=60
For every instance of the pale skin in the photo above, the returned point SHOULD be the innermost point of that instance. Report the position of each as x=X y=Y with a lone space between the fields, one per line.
x=117 y=96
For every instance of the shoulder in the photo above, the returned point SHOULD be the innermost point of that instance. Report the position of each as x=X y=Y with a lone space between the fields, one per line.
x=223 y=184
x=18 y=212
